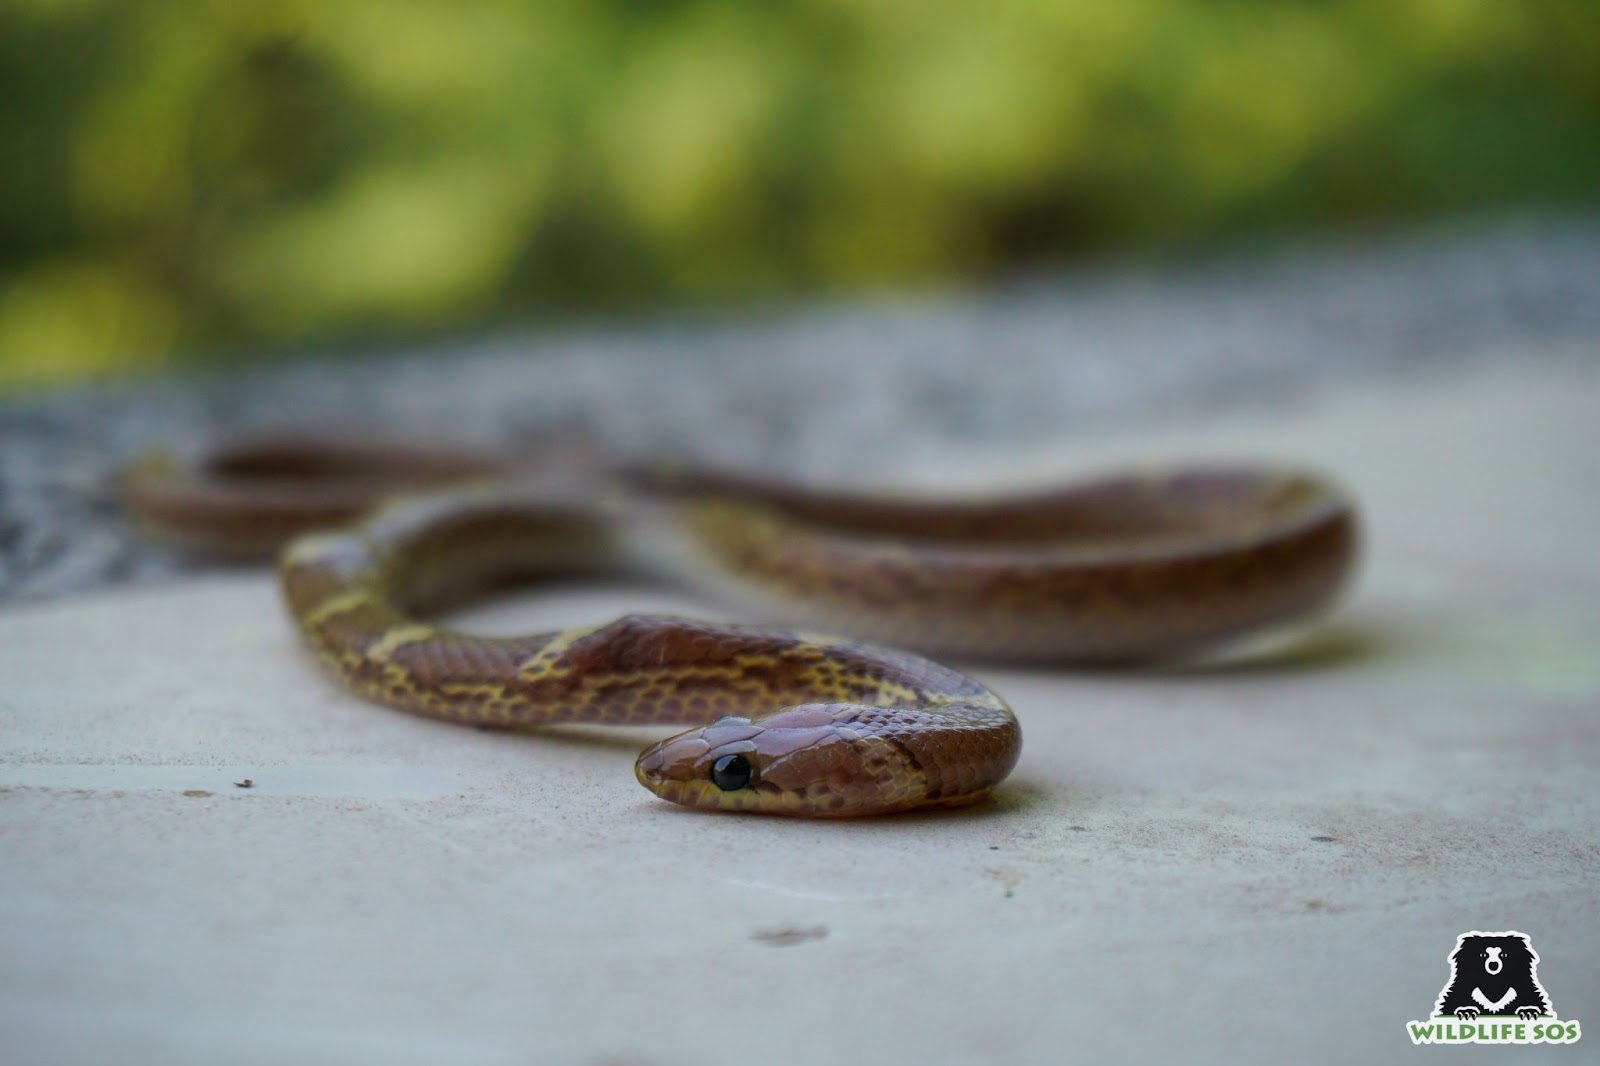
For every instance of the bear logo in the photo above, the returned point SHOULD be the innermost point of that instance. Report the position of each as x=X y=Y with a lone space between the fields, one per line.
x=1494 y=997
x=1494 y=974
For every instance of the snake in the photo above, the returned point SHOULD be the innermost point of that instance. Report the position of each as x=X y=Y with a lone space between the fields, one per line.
x=841 y=711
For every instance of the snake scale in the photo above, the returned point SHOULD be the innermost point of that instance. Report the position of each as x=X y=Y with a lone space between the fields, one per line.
x=382 y=536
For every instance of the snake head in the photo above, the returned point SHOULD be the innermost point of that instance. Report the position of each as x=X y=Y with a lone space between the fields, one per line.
x=805 y=761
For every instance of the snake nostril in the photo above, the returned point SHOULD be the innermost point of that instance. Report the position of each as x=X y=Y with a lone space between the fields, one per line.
x=649 y=765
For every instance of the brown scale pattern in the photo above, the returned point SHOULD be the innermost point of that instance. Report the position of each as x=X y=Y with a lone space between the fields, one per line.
x=1118 y=599
x=1123 y=569
x=910 y=732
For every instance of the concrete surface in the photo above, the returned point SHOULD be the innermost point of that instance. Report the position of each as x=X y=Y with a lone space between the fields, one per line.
x=1258 y=860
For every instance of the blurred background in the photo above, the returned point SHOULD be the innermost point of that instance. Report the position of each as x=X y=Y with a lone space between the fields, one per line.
x=186 y=183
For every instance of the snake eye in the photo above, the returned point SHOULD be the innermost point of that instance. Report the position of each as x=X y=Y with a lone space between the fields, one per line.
x=732 y=772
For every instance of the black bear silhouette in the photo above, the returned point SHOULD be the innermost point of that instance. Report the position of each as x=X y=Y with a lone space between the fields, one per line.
x=1493 y=974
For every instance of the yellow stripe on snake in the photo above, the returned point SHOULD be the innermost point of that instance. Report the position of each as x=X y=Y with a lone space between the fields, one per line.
x=786 y=721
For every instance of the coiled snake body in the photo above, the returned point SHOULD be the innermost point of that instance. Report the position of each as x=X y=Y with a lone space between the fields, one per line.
x=788 y=721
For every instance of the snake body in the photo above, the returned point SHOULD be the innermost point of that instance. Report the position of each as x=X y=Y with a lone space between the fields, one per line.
x=787 y=721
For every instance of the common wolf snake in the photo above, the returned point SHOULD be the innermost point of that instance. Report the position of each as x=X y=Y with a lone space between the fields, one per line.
x=1128 y=568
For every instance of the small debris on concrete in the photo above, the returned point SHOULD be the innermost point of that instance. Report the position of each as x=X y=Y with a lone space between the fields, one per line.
x=784 y=936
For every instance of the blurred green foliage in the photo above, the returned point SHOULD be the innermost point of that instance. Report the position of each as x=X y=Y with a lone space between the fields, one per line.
x=187 y=177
